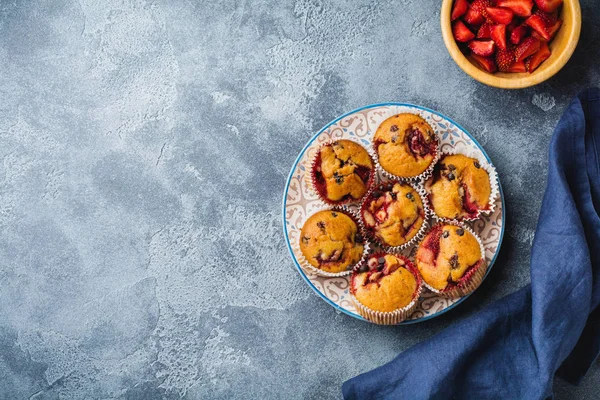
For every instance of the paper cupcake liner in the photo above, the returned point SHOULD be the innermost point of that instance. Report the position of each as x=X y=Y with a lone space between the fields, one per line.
x=492 y=174
x=390 y=317
x=308 y=267
x=420 y=233
x=312 y=176
x=468 y=286
x=423 y=175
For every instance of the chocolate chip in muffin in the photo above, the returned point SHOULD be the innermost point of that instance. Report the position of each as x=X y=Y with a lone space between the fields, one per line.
x=321 y=225
x=445 y=234
x=363 y=268
x=381 y=260
x=410 y=196
x=305 y=239
x=394 y=138
x=460 y=231
x=389 y=187
x=451 y=167
x=377 y=194
x=393 y=195
x=451 y=176
x=476 y=164
x=394 y=128
x=334 y=214
x=339 y=179
x=358 y=238
x=453 y=261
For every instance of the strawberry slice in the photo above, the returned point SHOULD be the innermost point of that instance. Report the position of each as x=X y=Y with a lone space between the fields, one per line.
x=498 y=35
x=461 y=32
x=518 y=34
x=504 y=59
x=522 y=8
x=483 y=48
x=549 y=18
x=548 y=5
x=552 y=30
x=460 y=7
x=537 y=24
x=485 y=31
x=473 y=17
x=481 y=5
x=517 y=67
x=527 y=47
x=486 y=63
x=535 y=60
x=500 y=15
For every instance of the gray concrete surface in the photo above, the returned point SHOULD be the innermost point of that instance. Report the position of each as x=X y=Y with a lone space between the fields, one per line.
x=145 y=146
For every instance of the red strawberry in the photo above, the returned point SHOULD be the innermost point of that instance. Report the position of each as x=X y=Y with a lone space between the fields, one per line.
x=460 y=7
x=548 y=5
x=473 y=17
x=481 y=5
x=518 y=34
x=537 y=24
x=504 y=59
x=527 y=47
x=485 y=63
x=483 y=48
x=485 y=31
x=552 y=29
x=499 y=36
x=522 y=8
x=549 y=18
x=500 y=15
x=461 y=32
x=517 y=67
x=535 y=60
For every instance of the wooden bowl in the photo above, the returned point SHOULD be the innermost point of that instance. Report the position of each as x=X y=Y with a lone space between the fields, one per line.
x=562 y=47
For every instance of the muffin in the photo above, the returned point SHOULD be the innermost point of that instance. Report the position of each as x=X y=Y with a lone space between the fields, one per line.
x=342 y=172
x=459 y=188
x=393 y=214
x=451 y=260
x=406 y=145
x=386 y=288
x=331 y=242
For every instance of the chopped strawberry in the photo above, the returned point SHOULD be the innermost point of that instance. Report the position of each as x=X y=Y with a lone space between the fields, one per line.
x=548 y=5
x=481 y=5
x=486 y=63
x=460 y=7
x=537 y=24
x=517 y=67
x=499 y=36
x=500 y=15
x=535 y=60
x=527 y=47
x=504 y=59
x=483 y=48
x=522 y=8
x=473 y=17
x=549 y=18
x=461 y=32
x=553 y=29
x=485 y=31
x=518 y=34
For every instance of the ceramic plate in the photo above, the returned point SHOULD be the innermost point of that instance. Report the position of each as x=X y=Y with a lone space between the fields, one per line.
x=299 y=201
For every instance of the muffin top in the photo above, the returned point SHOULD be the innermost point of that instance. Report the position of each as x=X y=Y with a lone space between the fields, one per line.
x=406 y=145
x=459 y=187
x=393 y=213
x=330 y=241
x=446 y=255
x=342 y=171
x=386 y=283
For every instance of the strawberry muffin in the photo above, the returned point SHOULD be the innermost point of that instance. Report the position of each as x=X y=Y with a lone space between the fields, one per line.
x=459 y=188
x=386 y=288
x=331 y=242
x=406 y=145
x=451 y=261
x=393 y=214
x=342 y=172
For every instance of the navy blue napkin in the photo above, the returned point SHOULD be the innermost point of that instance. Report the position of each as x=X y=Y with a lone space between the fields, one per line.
x=513 y=347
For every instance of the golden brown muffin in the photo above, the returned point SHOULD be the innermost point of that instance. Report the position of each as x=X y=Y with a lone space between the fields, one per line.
x=459 y=187
x=387 y=282
x=406 y=145
x=342 y=172
x=331 y=241
x=448 y=257
x=393 y=213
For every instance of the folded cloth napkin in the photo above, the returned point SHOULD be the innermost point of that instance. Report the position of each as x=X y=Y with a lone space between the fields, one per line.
x=513 y=347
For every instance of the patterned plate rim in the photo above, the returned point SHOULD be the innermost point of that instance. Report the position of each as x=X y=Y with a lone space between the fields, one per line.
x=290 y=176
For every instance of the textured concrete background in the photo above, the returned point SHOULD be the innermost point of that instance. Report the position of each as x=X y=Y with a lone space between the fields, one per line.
x=145 y=147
